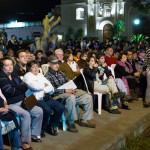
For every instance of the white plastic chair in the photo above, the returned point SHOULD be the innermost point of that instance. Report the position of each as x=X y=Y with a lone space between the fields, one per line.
x=113 y=66
x=44 y=68
x=95 y=92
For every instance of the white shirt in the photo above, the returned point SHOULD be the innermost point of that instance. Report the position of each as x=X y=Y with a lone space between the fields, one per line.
x=37 y=84
x=73 y=66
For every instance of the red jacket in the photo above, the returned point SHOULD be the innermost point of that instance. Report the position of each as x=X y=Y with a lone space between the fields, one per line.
x=110 y=60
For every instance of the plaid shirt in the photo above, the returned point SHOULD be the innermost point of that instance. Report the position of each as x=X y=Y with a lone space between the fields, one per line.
x=57 y=79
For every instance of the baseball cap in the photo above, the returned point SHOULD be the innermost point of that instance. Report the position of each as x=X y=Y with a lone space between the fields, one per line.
x=54 y=60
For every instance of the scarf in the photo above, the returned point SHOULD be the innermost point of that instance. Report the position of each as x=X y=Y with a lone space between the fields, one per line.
x=123 y=77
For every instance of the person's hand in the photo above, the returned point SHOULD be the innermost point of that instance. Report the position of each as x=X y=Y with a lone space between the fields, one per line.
x=144 y=73
x=70 y=91
x=137 y=74
x=6 y=108
x=2 y=110
x=101 y=73
x=111 y=77
x=45 y=84
x=104 y=65
x=5 y=102
x=95 y=65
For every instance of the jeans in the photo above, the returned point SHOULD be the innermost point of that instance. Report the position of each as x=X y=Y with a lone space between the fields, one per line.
x=1 y=139
x=80 y=98
x=48 y=106
x=31 y=121
x=14 y=139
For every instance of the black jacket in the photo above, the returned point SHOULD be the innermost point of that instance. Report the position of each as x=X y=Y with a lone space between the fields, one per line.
x=90 y=76
x=18 y=71
x=14 y=90
x=120 y=71
x=132 y=64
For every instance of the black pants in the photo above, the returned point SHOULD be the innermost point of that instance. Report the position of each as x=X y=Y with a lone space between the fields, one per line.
x=48 y=106
x=143 y=86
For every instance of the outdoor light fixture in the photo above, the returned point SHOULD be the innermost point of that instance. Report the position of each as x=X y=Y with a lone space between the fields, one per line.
x=136 y=21
x=15 y=24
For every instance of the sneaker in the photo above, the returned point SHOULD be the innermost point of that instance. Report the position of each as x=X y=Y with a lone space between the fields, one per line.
x=72 y=128
x=114 y=111
x=88 y=124
x=118 y=94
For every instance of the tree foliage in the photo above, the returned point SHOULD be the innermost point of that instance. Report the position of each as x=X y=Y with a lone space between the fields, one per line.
x=118 y=29
x=69 y=34
x=78 y=34
x=139 y=38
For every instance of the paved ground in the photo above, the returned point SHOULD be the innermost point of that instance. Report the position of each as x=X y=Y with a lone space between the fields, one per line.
x=109 y=128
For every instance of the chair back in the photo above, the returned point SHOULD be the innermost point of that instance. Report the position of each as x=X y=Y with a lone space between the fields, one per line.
x=81 y=71
x=44 y=68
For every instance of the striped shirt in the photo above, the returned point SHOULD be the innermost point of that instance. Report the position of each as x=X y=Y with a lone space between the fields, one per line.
x=147 y=60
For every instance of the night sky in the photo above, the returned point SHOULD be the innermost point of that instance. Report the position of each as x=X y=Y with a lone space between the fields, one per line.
x=25 y=10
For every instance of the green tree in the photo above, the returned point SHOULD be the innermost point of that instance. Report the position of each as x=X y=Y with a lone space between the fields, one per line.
x=78 y=34
x=69 y=33
x=118 y=29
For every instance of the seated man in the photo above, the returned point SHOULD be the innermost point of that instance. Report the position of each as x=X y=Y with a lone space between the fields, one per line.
x=72 y=97
x=110 y=59
x=20 y=67
x=130 y=60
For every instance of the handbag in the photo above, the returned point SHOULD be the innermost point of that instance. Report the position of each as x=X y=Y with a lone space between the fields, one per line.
x=29 y=102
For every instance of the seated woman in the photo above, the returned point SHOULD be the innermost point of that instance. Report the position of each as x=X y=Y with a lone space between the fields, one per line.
x=7 y=114
x=77 y=55
x=95 y=83
x=124 y=71
x=42 y=89
x=14 y=90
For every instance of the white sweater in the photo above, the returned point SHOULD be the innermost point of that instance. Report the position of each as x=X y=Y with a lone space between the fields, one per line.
x=37 y=84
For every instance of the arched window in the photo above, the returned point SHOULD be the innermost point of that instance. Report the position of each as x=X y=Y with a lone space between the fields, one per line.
x=80 y=14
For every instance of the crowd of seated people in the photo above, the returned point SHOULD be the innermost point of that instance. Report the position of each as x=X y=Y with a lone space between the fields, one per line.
x=119 y=70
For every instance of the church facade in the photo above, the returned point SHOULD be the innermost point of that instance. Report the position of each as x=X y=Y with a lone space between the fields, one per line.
x=94 y=17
